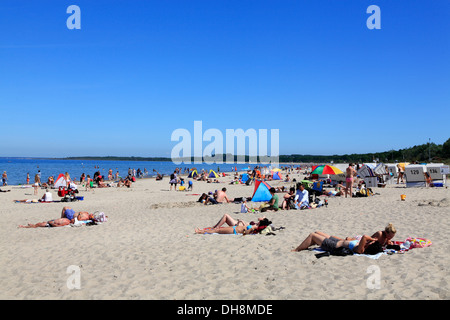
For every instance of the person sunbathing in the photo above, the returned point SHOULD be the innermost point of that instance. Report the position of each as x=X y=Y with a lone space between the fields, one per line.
x=237 y=229
x=331 y=243
x=69 y=213
x=227 y=219
x=48 y=224
x=68 y=216
x=384 y=237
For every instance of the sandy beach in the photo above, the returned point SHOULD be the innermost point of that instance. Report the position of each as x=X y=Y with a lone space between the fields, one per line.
x=148 y=248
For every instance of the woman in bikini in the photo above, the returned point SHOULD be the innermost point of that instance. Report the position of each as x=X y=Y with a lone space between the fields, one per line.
x=239 y=228
x=330 y=243
x=350 y=173
x=384 y=237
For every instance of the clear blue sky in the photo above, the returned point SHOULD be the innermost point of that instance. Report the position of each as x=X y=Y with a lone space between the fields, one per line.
x=138 y=70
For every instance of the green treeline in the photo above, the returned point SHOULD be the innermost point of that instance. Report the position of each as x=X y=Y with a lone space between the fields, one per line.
x=420 y=153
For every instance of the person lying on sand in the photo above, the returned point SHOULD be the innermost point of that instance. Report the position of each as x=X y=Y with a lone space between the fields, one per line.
x=64 y=220
x=227 y=219
x=359 y=244
x=384 y=237
x=52 y=223
x=69 y=213
x=331 y=243
x=237 y=229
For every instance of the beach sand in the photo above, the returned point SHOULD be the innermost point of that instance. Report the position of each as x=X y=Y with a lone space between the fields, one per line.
x=148 y=249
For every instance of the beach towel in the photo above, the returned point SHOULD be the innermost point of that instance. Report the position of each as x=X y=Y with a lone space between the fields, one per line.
x=401 y=246
x=371 y=256
x=209 y=230
x=35 y=201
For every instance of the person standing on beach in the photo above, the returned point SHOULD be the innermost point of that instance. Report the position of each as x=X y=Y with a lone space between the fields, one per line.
x=4 y=178
x=28 y=178
x=350 y=173
x=37 y=183
x=401 y=172
x=173 y=180
x=67 y=178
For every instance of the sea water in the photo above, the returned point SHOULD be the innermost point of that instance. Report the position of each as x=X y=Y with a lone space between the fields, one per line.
x=17 y=168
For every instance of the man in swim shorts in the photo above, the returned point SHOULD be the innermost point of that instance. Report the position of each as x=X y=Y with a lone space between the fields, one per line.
x=69 y=213
x=329 y=244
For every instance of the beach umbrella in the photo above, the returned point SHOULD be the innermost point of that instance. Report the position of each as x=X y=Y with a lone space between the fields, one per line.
x=326 y=169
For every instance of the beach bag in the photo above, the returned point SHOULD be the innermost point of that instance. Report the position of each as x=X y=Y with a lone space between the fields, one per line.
x=418 y=242
x=341 y=251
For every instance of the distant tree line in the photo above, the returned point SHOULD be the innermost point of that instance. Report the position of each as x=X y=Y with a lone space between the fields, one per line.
x=421 y=153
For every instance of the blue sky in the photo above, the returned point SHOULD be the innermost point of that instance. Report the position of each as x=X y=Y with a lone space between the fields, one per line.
x=138 y=70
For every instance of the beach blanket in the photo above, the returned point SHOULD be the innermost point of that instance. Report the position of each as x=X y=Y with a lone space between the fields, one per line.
x=371 y=256
x=35 y=201
x=404 y=246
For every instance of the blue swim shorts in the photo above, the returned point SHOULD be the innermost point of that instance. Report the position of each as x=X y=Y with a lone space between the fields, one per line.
x=69 y=213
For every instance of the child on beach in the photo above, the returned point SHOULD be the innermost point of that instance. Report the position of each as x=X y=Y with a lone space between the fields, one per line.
x=89 y=183
x=37 y=183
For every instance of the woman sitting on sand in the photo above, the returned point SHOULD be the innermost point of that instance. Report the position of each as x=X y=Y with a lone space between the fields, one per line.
x=237 y=229
x=205 y=199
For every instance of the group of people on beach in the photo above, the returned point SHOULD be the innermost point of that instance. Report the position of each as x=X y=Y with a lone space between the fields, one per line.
x=360 y=244
x=294 y=198
x=68 y=216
